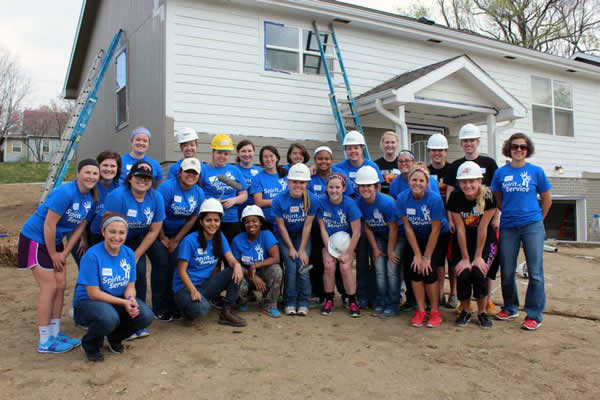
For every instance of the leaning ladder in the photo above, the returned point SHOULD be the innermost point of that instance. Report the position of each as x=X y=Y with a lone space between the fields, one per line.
x=86 y=102
x=333 y=100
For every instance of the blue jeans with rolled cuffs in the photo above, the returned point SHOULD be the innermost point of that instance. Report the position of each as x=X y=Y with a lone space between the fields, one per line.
x=532 y=237
x=387 y=278
x=297 y=286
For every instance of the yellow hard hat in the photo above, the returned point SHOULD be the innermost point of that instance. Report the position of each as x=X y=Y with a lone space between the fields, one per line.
x=221 y=142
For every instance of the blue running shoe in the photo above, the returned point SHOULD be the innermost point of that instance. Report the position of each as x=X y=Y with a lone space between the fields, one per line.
x=54 y=345
x=67 y=339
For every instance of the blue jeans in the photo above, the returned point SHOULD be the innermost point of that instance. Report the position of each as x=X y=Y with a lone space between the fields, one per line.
x=366 y=285
x=297 y=286
x=209 y=289
x=532 y=237
x=161 y=278
x=387 y=279
x=104 y=319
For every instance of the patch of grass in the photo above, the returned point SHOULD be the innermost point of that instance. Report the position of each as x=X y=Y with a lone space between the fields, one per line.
x=534 y=361
x=27 y=172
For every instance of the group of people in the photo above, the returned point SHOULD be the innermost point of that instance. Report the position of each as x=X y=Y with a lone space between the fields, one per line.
x=291 y=232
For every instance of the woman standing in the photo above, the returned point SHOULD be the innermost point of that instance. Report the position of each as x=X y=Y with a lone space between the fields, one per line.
x=66 y=211
x=271 y=181
x=195 y=281
x=516 y=186
x=426 y=229
x=296 y=154
x=245 y=150
x=105 y=298
x=406 y=161
x=110 y=170
x=295 y=210
x=140 y=143
x=388 y=162
x=188 y=144
x=475 y=247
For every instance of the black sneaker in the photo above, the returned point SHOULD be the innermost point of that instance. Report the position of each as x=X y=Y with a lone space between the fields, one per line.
x=116 y=347
x=165 y=317
x=218 y=303
x=94 y=357
x=484 y=321
x=176 y=316
x=463 y=319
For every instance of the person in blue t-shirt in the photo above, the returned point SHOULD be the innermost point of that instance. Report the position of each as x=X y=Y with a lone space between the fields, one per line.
x=426 y=229
x=516 y=186
x=140 y=143
x=339 y=213
x=354 y=145
x=182 y=197
x=295 y=210
x=381 y=229
x=187 y=138
x=195 y=281
x=245 y=158
x=258 y=253
x=224 y=182
x=296 y=154
x=105 y=298
x=271 y=181
x=67 y=210
x=406 y=161
x=144 y=209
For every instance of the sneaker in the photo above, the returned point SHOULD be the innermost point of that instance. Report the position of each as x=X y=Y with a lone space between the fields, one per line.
x=505 y=315
x=327 y=307
x=387 y=313
x=229 y=317
x=67 y=339
x=304 y=269
x=54 y=345
x=464 y=318
x=354 y=310
x=94 y=357
x=116 y=347
x=242 y=307
x=176 y=316
x=418 y=319
x=435 y=319
x=165 y=317
x=363 y=305
x=531 y=324
x=452 y=301
x=272 y=312
x=139 y=334
x=217 y=303
x=408 y=307
x=290 y=310
x=302 y=311
x=484 y=321
x=377 y=311
x=490 y=309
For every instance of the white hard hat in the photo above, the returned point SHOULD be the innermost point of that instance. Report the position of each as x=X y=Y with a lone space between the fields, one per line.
x=469 y=131
x=299 y=172
x=211 y=205
x=253 y=209
x=469 y=170
x=366 y=176
x=354 y=138
x=186 y=135
x=323 y=148
x=191 y=163
x=437 y=142
x=338 y=243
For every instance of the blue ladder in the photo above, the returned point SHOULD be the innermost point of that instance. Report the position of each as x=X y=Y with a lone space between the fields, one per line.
x=332 y=94
x=84 y=108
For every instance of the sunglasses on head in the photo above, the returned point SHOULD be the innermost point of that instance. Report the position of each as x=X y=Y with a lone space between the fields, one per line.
x=522 y=147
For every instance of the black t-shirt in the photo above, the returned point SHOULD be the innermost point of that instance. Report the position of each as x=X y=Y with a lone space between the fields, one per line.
x=442 y=177
x=471 y=216
x=487 y=164
x=389 y=170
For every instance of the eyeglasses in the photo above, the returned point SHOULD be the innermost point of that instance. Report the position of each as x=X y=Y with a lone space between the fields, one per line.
x=522 y=147
x=143 y=178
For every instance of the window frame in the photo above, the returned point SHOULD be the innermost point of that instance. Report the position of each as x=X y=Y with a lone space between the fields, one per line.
x=552 y=107
x=12 y=146
x=120 y=125
x=45 y=143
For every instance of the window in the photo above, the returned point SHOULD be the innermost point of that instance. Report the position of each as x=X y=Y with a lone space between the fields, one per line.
x=45 y=146
x=121 y=88
x=296 y=50
x=552 y=107
x=17 y=146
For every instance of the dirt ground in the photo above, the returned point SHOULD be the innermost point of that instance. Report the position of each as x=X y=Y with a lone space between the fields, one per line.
x=313 y=357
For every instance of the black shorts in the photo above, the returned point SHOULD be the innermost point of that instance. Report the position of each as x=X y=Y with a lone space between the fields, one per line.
x=438 y=259
x=32 y=253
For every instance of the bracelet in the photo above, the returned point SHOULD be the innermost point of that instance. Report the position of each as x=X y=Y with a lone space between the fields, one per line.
x=130 y=297
x=426 y=258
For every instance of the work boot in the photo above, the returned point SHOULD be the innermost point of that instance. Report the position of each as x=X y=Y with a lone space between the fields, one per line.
x=229 y=317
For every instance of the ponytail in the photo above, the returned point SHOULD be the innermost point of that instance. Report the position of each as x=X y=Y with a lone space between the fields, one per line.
x=305 y=202
x=484 y=194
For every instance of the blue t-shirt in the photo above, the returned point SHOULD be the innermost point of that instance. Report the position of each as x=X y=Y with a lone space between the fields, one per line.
x=421 y=212
x=378 y=214
x=339 y=217
x=519 y=188
x=68 y=202
x=99 y=212
x=180 y=204
x=139 y=215
x=214 y=188
x=318 y=184
x=249 y=173
x=110 y=273
x=248 y=253
x=399 y=185
x=270 y=185
x=292 y=210
x=127 y=162
x=201 y=262
x=351 y=170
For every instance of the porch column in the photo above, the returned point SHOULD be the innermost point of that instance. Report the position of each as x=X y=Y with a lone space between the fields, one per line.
x=491 y=132
x=402 y=129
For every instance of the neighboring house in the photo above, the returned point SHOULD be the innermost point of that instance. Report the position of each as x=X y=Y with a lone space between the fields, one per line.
x=36 y=138
x=249 y=68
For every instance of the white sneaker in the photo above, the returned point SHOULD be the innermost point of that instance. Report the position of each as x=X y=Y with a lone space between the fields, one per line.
x=303 y=311
x=290 y=310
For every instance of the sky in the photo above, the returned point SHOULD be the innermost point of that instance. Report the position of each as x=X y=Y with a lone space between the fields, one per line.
x=39 y=35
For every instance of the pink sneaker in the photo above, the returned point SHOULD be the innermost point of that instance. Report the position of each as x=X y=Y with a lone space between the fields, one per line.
x=530 y=324
x=354 y=310
x=435 y=319
x=418 y=319
x=505 y=315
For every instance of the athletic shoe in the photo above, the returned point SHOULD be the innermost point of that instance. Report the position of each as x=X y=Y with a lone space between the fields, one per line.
x=54 y=345
x=272 y=312
x=363 y=305
x=165 y=317
x=94 y=357
x=176 y=316
x=290 y=310
x=327 y=307
x=505 y=315
x=242 y=307
x=484 y=321
x=435 y=319
x=463 y=319
x=354 y=310
x=387 y=313
x=531 y=324
x=116 y=347
x=418 y=318
x=452 y=301
x=408 y=307
x=67 y=339
x=304 y=269
x=377 y=312
x=217 y=303
x=490 y=309
x=302 y=311
x=139 y=334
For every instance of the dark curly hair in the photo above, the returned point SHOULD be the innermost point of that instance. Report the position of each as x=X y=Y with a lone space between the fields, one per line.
x=518 y=135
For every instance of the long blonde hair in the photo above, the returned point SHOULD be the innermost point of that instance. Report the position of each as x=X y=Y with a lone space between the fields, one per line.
x=484 y=194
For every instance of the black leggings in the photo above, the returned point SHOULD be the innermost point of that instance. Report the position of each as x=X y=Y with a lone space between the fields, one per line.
x=471 y=281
